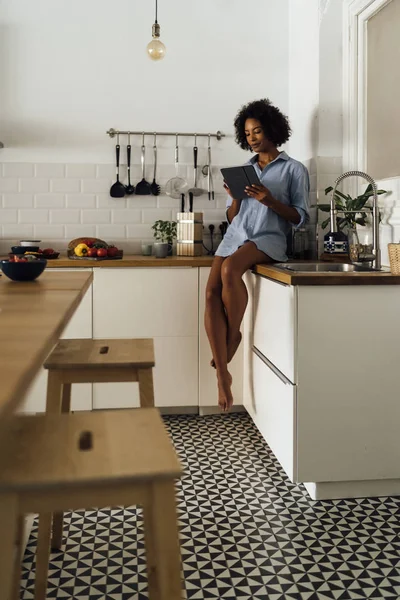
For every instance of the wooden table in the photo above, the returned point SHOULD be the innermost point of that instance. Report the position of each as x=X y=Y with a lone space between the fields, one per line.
x=32 y=317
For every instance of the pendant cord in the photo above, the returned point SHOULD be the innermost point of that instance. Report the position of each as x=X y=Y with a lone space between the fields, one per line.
x=156 y=12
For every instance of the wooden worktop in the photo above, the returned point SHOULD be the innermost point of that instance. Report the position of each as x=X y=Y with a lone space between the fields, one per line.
x=133 y=260
x=281 y=275
x=32 y=317
x=355 y=278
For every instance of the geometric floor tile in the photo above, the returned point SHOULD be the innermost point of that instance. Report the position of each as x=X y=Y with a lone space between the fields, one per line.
x=246 y=532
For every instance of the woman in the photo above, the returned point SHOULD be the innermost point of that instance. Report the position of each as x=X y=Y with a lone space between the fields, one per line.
x=259 y=225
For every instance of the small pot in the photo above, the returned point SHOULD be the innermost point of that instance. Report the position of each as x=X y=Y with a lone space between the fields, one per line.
x=162 y=249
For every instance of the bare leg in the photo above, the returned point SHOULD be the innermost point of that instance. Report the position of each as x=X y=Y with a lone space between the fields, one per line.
x=216 y=327
x=234 y=291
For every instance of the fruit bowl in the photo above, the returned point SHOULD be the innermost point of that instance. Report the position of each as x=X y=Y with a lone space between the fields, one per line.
x=23 y=271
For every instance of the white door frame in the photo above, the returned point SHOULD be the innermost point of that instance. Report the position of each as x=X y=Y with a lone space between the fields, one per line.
x=356 y=15
x=355 y=20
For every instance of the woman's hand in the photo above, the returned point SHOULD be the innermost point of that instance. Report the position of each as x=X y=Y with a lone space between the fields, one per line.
x=260 y=193
x=228 y=191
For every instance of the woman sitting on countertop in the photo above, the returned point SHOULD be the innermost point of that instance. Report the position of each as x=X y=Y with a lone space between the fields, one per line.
x=257 y=232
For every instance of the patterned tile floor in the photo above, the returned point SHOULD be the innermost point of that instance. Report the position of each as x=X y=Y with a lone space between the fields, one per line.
x=246 y=532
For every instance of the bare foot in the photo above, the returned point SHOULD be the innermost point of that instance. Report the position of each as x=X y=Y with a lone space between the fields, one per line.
x=225 y=398
x=232 y=348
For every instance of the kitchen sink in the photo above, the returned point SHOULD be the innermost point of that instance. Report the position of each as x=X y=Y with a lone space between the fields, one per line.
x=321 y=267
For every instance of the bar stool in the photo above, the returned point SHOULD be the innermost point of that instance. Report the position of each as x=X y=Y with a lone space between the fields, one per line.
x=91 y=460
x=95 y=361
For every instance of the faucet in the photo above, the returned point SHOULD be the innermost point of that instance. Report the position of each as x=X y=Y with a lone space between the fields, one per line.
x=375 y=212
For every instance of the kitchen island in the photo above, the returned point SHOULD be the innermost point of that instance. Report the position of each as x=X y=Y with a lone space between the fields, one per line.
x=33 y=315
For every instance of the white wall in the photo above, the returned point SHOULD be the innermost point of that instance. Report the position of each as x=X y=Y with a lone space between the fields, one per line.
x=330 y=79
x=304 y=78
x=71 y=70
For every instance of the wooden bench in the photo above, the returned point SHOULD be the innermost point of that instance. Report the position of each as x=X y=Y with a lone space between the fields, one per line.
x=90 y=460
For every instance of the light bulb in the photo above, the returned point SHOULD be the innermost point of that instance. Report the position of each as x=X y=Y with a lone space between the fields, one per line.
x=156 y=49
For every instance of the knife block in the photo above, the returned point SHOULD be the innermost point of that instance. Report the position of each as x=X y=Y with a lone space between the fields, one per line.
x=189 y=238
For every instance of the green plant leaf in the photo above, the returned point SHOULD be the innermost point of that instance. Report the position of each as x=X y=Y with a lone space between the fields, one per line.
x=325 y=223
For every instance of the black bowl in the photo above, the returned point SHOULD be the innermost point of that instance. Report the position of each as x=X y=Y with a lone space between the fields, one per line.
x=23 y=249
x=23 y=271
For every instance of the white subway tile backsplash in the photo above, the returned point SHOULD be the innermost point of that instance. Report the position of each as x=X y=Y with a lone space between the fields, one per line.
x=74 y=231
x=98 y=216
x=64 y=201
x=66 y=216
x=168 y=202
x=17 y=200
x=221 y=201
x=80 y=171
x=105 y=171
x=139 y=231
x=142 y=201
x=66 y=185
x=152 y=215
x=96 y=186
x=50 y=170
x=105 y=201
x=34 y=185
x=8 y=184
x=8 y=216
x=50 y=200
x=49 y=232
x=127 y=216
x=34 y=215
x=109 y=233
x=81 y=201
x=18 y=232
x=18 y=170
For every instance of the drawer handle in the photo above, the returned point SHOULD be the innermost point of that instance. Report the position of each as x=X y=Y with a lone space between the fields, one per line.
x=271 y=366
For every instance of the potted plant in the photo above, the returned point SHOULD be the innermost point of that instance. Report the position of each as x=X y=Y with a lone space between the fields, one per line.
x=164 y=233
x=347 y=221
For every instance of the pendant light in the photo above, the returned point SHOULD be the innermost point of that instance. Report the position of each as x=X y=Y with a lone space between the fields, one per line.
x=156 y=49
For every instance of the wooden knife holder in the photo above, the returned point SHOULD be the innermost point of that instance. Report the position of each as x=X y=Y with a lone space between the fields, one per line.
x=189 y=241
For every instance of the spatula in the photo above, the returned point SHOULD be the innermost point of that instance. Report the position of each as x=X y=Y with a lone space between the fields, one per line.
x=155 y=188
x=143 y=187
x=117 y=189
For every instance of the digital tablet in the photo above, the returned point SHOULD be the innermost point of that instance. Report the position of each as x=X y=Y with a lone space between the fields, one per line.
x=238 y=178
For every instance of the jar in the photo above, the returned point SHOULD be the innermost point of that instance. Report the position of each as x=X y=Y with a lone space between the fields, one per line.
x=300 y=243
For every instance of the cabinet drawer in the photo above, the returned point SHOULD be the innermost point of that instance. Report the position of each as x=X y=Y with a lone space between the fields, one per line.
x=274 y=323
x=273 y=410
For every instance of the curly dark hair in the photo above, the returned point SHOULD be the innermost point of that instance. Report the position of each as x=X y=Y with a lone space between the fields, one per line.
x=274 y=123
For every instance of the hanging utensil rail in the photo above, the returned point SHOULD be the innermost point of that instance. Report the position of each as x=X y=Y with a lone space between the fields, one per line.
x=113 y=132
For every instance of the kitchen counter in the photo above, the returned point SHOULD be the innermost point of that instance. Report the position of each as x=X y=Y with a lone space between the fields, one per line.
x=132 y=260
x=334 y=278
x=32 y=317
x=270 y=271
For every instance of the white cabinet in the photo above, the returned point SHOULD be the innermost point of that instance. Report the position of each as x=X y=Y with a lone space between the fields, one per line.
x=321 y=382
x=80 y=326
x=159 y=303
x=208 y=393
